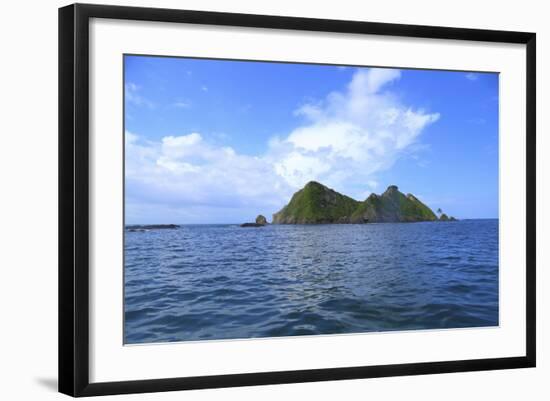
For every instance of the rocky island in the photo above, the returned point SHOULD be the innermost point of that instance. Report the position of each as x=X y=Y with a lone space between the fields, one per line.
x=146 y=227
x=318 y=204
x=444 y=217
x=260 y=222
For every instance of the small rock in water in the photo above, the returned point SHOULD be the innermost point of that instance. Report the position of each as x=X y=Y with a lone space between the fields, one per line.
x=260 y=222
x=444 y=217
x=145 y=227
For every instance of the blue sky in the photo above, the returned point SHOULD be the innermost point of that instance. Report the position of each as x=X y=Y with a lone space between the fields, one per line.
x=213 y=141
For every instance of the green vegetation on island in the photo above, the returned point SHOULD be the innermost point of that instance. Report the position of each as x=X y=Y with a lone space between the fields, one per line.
x=318 y=204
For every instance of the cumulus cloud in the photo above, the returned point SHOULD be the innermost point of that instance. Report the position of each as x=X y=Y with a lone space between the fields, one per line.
x=351 y=135
x=188 y=172
x=344 y=140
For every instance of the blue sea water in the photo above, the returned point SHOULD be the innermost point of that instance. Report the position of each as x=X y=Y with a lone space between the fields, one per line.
x=205 y=282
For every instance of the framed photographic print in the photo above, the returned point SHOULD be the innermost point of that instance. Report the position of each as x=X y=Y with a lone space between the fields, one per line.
x=250 y=199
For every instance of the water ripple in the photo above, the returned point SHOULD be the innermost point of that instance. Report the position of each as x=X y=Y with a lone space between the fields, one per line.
x=223 y=281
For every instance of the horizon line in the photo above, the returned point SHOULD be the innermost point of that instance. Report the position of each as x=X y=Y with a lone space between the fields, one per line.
x=311 y=224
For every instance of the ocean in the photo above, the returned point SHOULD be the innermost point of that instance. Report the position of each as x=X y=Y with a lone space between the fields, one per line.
x=209 y=282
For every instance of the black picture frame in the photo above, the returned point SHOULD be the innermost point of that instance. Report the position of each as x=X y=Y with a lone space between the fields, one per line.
x=74 y=198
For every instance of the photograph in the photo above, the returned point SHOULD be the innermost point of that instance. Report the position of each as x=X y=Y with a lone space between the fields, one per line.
x=250 y=199
x=276 y=199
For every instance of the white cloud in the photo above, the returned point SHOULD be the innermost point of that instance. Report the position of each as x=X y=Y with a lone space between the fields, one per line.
x=471 y=76
x=131 y=92
x=351 y=135
x=345 y=140
x=181 y=104
x=372 y=184
x=187 y=172
x=130 y=138
x=368 y=82
x=204 y=88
